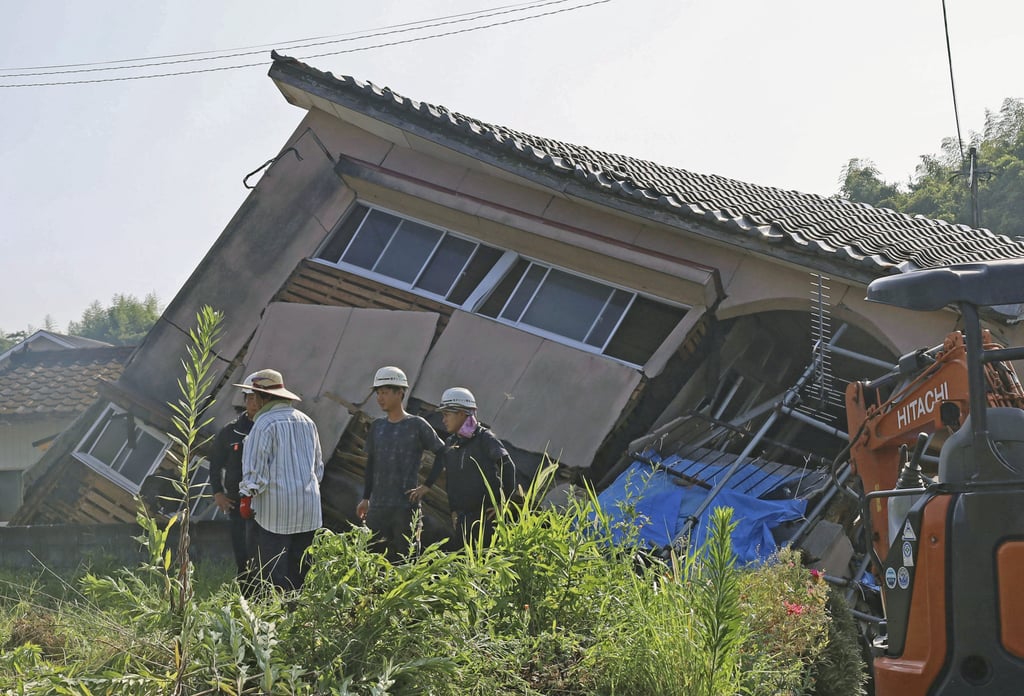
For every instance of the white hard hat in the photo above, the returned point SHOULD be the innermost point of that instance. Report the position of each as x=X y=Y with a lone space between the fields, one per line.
x=390 y=377
x=246 y=384
x=458 y=399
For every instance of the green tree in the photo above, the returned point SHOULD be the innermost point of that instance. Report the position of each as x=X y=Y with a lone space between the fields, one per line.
x=9 y=340
x=125 y=322
x=940 y=187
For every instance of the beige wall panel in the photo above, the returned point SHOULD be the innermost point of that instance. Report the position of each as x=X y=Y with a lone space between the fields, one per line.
x=447 y=154
x=899 y=329
x=570 y=402
x=480 y=354
x=425 y=168
x=372 y=339
x=594 y=220
x=505 y=194
x=299 y=341
x=344 y=138
x=16 y=438
x=537 y=394
x=371 y=125
x=759 y=286
x=328 y=355
x=689 y=248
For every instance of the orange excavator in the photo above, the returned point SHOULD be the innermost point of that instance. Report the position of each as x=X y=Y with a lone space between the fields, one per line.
x=947 y=538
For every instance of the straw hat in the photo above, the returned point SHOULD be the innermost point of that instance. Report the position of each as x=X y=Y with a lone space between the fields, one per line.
x=268 y=382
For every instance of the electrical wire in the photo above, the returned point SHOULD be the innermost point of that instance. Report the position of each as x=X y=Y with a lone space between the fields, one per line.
x=277 y=44
x=952 y=84
x=318 y=55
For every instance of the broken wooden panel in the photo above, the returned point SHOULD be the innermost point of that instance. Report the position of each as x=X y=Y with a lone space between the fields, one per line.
x=328 y=355
x=317 y=283
x=537 y=394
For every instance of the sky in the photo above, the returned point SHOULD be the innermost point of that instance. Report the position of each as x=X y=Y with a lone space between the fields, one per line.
x=121 y=187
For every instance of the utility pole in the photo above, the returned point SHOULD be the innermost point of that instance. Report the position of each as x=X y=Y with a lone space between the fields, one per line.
x=974 y=175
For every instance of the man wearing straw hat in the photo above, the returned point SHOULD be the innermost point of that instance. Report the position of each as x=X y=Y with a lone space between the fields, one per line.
x=282 y=465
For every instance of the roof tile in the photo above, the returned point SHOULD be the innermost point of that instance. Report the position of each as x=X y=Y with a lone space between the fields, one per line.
x=875 y=239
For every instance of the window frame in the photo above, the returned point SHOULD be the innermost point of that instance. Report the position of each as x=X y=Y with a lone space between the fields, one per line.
x=487 y=285
x=103 y=468
x=391 y=280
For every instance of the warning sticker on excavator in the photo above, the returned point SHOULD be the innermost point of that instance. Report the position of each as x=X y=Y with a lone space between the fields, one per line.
x=908 y=532
x=908 y=553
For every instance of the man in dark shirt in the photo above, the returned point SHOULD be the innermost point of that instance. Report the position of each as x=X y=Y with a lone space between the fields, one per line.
x=394 y=450
x=480 y=470
x=226 y=473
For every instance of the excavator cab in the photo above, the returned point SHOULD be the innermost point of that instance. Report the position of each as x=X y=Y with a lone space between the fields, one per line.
x=951 y=568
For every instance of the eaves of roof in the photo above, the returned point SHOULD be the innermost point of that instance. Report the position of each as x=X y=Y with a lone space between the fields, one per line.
x=831 y=235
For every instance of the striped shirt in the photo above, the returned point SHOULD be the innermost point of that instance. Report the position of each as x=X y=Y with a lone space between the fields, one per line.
x=282 y=466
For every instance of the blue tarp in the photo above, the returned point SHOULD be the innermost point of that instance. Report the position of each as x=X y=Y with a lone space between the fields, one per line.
x=660 y=506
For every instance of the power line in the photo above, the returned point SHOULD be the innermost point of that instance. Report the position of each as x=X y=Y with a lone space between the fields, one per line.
x=318 y=55
x=952 y=84
x=278 y=44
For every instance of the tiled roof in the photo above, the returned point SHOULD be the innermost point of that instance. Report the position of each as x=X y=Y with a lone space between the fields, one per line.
x=875 y=241
x=57 y=382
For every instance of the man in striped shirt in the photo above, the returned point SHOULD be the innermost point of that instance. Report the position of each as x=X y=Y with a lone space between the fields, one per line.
x=282 y=466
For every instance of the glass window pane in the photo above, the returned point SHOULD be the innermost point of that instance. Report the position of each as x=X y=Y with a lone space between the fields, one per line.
x=609 y=318
x=373 y=236
x=412 y=245
x=111 y=439
x=479 y=266
x=566 y=305
x=142 y=458
x=496 y=300
x=446 y=265
x=644 y=328
x=343 y=235
x=523 y=293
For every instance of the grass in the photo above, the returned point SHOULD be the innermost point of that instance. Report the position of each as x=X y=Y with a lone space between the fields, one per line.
x=553 y=606
x=550 y=608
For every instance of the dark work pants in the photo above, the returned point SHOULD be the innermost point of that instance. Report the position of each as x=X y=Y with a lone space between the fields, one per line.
x=281 y=557
x=467 y=528
x=240 y=541
x=391 y=527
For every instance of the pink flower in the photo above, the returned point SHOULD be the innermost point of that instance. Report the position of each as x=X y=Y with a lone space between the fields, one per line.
x=817 y=574
x=794 y=608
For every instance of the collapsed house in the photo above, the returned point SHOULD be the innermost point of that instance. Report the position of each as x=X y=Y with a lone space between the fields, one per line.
x=604 y=310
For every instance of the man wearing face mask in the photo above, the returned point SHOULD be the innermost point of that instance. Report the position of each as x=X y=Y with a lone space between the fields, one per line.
x=478 y=467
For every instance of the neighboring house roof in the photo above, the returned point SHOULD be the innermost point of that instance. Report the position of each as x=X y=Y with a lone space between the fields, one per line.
x=57 y=382
x=812 y=229
x=49 y=340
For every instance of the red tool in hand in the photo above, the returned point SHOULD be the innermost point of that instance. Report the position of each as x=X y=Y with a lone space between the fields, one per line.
x=245 y=507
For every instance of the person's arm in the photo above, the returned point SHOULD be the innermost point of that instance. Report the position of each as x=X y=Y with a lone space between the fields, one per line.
x=503 y=464
x=416 y=494
x=363 y=506
x=429 y=439
x=430 y=442
x=318 y=454
x=218 y=463
x=256 y=455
